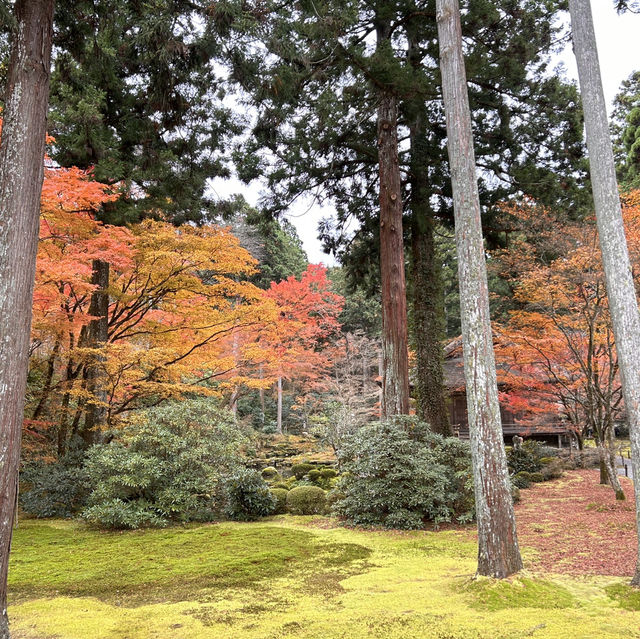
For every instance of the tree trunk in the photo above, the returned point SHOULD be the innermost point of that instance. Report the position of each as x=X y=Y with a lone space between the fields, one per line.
x=615 y=256
x=279 y=417
x=97 y=336
x=498 y=552
x=21 y=173
x=427 y=296
x=395 y=349
x=395 y=368
x=428 y=323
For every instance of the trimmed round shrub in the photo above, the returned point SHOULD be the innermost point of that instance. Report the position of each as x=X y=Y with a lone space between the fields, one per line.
x=300 y=470
x=328 y=473
x=306 y=500
x=536 y=478
x=282 y=485
x=280 y=497
x=552 y=470
x=314 y=475
x=399 y=474
x=521 y=480
x=247 y=496
x=166 y=465
x=270 y=474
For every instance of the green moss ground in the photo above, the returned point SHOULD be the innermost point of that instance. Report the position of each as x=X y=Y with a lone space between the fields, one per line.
x=287 y=577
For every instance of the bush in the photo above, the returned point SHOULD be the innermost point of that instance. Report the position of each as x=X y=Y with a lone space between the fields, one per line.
x=552 y=470
x=280 y=497
x=119 y=514
x=58 y=489
x=536 y=478
x=306 y=500
x=281 y=485
x=247 y=496
x=165 y=465
x=526 y=458
x=521 y=480
x=328 y=473
x=399 y=474
x=515 y=494
x=314 y=475
x=300 y=470
x=270 y=474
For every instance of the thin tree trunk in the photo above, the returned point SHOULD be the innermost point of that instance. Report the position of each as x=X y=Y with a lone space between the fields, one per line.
x=498 y=552
x=21 y=173
x=46 y=391
x=395 y=369
x=97 y=336
x=615 y=256
x=261 y=394
x=279 y=415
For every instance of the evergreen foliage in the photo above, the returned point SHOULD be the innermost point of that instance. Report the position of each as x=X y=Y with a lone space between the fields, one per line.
x=167 y=465
x=626 y=131
x=399 y=474
x=247 y=496
x=58 y=489
x=135 y=95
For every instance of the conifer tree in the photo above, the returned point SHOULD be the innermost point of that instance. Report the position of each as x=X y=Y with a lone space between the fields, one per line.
x=136 y=96
x=317 y=96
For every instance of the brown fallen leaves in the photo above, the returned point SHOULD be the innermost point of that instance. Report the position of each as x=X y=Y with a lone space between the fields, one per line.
x=575 y=526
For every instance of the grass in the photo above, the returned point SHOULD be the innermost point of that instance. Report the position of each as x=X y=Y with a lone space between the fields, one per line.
x=290 y=577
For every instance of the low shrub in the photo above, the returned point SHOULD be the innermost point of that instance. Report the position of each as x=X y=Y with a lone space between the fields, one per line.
x=314 y=475
x=536 y=478
x=270 y=474
x=525 y=458
x=58 y=489
x=300 y=470
x=328 y=473
x=552 y=470
x=166 y=465
x=515 y=494
x=306 y=500
x=280 y=497
x=399 y=474
x=247 y=496
x=521 y=480
x=119 y=514
x=281 y=485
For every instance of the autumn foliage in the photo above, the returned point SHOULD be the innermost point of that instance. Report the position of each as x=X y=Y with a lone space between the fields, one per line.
x=182 y=316
x=558 y=348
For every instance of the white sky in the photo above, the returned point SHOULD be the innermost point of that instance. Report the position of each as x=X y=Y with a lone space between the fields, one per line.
x=619 y=50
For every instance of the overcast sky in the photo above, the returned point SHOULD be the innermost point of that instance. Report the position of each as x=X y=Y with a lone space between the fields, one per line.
x=619 y=50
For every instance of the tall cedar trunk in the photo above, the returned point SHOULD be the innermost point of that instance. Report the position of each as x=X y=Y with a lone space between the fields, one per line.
x=97 y=336
x=426 y=290
x=615 y=256
x=21 y=173
x=498 y=552
x=395 y=367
